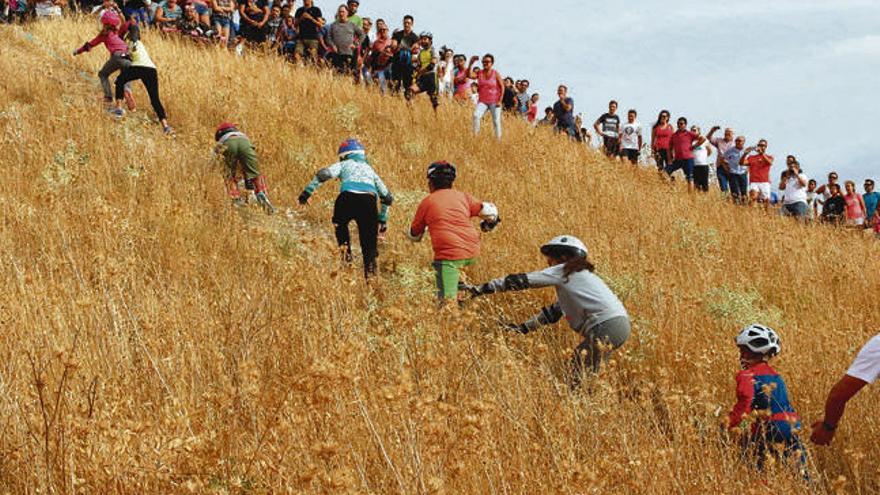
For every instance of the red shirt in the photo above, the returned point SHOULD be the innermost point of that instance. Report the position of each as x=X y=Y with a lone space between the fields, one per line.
x=681 y=143
x=661 y=137
x=447 y=214
x=759 y=167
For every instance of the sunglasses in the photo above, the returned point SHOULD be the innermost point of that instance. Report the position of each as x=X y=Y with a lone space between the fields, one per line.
x=832 y=176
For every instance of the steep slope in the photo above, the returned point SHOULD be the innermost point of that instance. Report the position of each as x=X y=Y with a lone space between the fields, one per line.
x=157 y=340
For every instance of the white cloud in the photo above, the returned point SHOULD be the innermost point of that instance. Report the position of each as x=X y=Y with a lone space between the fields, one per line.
x=868 y=45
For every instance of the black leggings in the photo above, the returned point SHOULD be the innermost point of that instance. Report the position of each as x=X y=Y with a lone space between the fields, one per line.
x=362 y=209
x=147 y=75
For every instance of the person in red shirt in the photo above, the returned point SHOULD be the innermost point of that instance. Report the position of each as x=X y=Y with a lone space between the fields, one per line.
x=660 y=134
x=681 y=151
x=759 y=172
x=447 y=213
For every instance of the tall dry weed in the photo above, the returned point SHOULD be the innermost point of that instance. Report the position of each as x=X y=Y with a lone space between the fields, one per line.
x=158 y=341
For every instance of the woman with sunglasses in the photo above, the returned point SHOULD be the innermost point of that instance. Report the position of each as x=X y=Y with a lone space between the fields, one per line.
x=490 y=90
x=661 y=135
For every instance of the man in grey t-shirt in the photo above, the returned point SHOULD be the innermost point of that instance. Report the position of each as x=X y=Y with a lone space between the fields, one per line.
x=342 y=39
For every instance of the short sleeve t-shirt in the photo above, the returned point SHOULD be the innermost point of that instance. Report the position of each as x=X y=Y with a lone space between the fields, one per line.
x=681 y=143
x=564 y=119
x=308 y=30
x=629 y=135
x=405 y=41
x=610 y=125
x=866 y=366
x=447 y=213
x=731 y=158
x=722 y=146
x=794 y=191
x=759 y=168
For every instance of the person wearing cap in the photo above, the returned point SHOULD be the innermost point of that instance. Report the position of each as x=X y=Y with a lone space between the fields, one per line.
x=238 y=153
x=447 y=214
x=360 y=187
x=586 y=302
x=864 y=369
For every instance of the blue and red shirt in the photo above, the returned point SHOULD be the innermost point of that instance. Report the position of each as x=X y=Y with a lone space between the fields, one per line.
x=760 y=388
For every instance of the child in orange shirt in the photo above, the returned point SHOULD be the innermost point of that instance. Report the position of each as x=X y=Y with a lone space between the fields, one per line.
x=447 y=213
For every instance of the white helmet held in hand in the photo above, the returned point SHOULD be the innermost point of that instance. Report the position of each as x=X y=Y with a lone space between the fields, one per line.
x=564 y=245
x=759 y=339
x=489 y=212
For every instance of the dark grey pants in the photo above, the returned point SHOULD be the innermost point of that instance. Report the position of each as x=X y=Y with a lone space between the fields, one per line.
x=597 y=345
x=116 y=63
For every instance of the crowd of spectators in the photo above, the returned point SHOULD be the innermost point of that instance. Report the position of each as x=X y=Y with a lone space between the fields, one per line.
x=402 y=61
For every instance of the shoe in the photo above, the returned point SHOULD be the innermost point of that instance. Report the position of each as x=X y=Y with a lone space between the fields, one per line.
x=239 y=202
x=168 y=130
x=263 y=200
x=129 y=101
x=117 y=112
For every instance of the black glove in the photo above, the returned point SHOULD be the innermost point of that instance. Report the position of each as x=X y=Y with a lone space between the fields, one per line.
x=487 y=226
x=516 y=327
x=303 y=198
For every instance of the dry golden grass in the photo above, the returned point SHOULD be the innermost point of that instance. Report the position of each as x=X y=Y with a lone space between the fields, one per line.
x=158 y=341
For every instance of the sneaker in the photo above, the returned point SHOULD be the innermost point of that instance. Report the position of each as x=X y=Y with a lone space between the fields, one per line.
x=263 y=200
x=117 y=112
x=168 y=130
x=239 y=202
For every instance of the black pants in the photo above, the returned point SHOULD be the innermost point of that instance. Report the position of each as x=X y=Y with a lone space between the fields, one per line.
x=147 y=75
x=701 y=177
x=342 y=63
x=662 y=158
x=362 y=209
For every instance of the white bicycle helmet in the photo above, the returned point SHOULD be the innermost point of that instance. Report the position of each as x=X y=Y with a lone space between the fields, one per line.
x=564 y=244
x=759 y=339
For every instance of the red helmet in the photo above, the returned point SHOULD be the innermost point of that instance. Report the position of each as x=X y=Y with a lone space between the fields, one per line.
x=223 y=128
x=110 y=18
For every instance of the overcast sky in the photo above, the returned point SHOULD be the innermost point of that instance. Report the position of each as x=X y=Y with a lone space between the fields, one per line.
x=802 y=73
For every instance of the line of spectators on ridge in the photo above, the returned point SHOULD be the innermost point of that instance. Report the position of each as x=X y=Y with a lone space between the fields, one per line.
x=405 y=62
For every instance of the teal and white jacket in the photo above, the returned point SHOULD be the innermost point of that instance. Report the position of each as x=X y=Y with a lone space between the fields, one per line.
x=356 y=176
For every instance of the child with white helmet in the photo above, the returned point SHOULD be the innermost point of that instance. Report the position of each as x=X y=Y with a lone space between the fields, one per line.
x=761 y=395
x=586 y=302
x=359 y=189
x=447 y=214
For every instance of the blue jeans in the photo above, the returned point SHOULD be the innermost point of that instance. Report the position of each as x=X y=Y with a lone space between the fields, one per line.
x=723 y=179
x=686 y=165
x=798 y=210
x=739 y=186
x=139 y=15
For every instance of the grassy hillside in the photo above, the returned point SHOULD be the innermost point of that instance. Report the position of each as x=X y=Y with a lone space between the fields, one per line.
x=156 y=340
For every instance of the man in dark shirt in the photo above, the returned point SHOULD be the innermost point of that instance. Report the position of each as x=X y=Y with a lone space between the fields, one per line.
x=610 y=130
x=308 y=26
x=401 y=65
x=834 y=209
x=563 y=112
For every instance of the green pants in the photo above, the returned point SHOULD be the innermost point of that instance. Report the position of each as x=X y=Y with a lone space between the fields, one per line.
x=448 y=275
x=239 y=151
